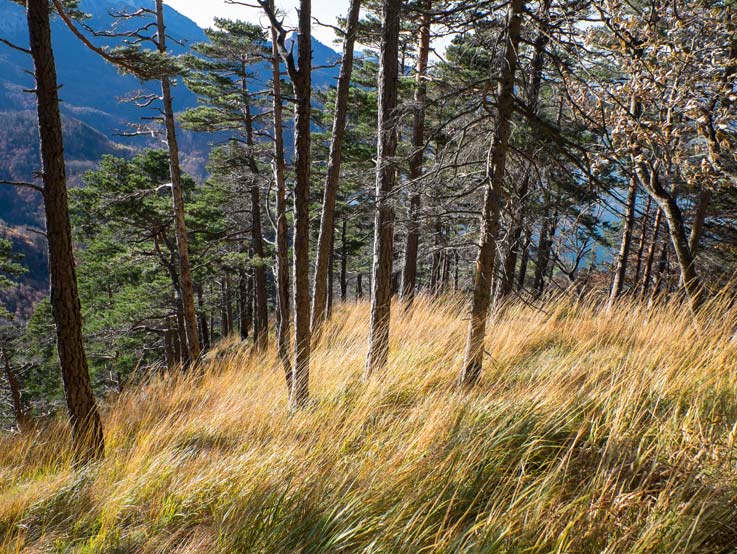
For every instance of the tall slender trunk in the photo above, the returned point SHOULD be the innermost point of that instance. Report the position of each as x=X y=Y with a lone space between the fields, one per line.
x=471 y=370
x=544 y=248
x=245 y=286
x=327 y=220
x=643 y=238
x=651 y=254
x=525 y=259
x=301 y=76
x=283 y=315
x=87 y=435
x=344 y=259
x=409 y=271
x=331 y=279
x=378 y=351
x=620 y=273
x=359 y=286
x=180 y=227
x=204 y=331
x=20 y=414
x=261 y=312
x=226 y=310
x=518 y=201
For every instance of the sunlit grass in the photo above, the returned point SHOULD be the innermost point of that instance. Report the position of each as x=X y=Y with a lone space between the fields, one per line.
x=592 y=431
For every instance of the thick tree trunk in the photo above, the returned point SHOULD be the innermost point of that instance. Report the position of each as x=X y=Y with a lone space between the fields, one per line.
x=283 y=312
x=20 y=414
x=378 y=351
x=409 y=270
x=87 y=433
x=620 y=272
x=471 y=370
x=327 y=220
x=180 y=227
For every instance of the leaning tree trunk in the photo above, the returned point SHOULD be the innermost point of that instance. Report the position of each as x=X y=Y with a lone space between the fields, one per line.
x=378 y=352
x=327 y=220
x=87 y=433
x=283 y=315
x=180 y=227
x=678 y=235
x=643 y=238
x=471 y=370
x=620 y=272
x=409 y=271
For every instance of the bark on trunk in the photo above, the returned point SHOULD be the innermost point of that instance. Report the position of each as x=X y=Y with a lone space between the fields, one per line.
x=180 y=227
x=471 y=370
x=86 y=427
x=409 y=270
x=327 y=220
x=378 y=351
x=283 y=311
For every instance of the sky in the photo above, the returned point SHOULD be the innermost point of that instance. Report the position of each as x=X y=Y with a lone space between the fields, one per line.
x=203 y=13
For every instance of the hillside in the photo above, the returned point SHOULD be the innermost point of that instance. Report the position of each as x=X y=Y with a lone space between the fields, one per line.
x=591 y=432
x=93 y=113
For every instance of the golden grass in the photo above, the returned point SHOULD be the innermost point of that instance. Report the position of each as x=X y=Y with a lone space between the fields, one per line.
x=592 y=431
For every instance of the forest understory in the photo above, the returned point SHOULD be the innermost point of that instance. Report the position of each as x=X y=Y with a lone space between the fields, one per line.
x=592 y=430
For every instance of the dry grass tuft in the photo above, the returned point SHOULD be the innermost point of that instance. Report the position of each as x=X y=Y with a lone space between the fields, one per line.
x=592 y=432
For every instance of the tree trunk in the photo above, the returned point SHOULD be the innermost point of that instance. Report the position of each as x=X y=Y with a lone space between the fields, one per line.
x=620 y=273
x=185 y=272
x=697 y=229
x=344 y=260
x=651 y=254
x=643 y=238
x=204 y=331
x=525 y=260
x=409 y=271
x=378 y=351
x=678 y=236
x=261 y=312
x=359 y=286
x=471 y=370
x=327 y=220
x=87 y=433
x=245 y=313
x=20 y=414
x=283 y=315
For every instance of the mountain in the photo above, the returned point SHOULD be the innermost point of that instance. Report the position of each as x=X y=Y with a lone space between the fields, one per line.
x=92 y=108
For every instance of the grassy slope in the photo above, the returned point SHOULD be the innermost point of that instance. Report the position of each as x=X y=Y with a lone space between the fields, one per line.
x=591 y=432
